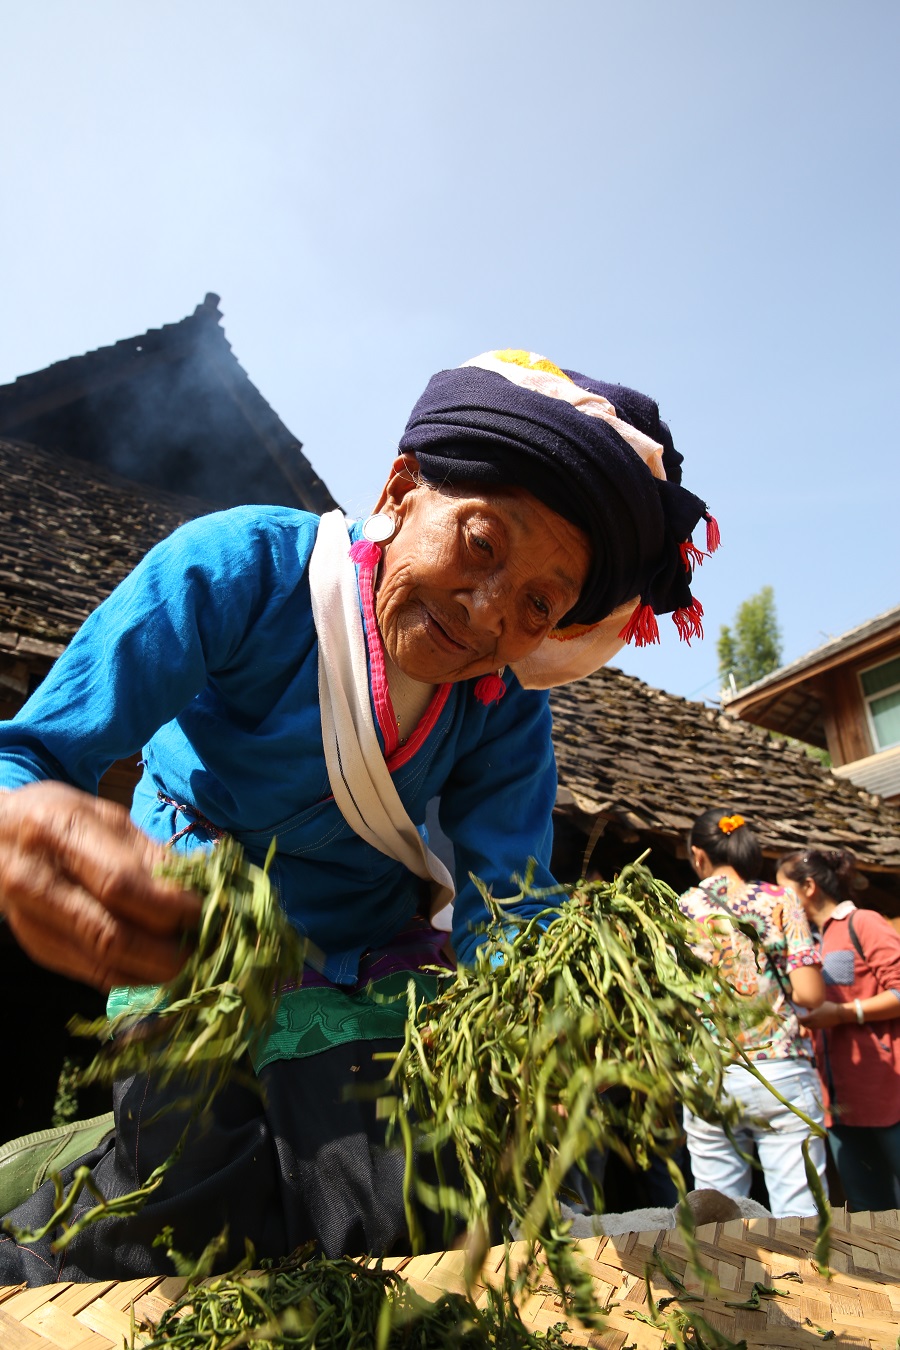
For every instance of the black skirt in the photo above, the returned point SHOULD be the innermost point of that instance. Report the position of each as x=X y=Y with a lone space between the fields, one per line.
x=298 y=1160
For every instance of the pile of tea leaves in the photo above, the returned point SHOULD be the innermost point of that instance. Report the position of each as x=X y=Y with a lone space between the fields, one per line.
x=584 y=1029
x=201 y=1024
x=309 y=1302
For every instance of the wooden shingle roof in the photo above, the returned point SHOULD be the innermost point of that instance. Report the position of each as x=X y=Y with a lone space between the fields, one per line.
x=69 y=533
x=649 y=763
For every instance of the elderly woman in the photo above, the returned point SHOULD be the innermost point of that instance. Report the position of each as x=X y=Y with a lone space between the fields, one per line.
x=287 y=679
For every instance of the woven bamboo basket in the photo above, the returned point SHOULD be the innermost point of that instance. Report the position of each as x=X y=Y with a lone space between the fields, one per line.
x=857 y=1309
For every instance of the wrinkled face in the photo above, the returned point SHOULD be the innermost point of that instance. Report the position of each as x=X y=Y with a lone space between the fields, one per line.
x=472 y=582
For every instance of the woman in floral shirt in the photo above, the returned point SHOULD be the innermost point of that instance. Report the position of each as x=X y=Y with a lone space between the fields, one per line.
x=781 y=970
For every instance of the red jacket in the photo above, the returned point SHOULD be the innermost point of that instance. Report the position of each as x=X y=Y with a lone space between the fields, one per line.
x=860 y=1065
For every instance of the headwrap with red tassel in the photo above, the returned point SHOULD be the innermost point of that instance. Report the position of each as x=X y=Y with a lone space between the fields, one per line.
x=598 y=454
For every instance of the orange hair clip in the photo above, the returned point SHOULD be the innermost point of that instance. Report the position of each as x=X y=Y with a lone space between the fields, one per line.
x=728 y=824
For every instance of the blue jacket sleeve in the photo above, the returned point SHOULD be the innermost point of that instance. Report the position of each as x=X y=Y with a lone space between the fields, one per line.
x=145 y=652
x=497 y=807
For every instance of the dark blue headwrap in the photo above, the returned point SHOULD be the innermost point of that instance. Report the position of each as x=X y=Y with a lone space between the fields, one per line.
x=475 y=427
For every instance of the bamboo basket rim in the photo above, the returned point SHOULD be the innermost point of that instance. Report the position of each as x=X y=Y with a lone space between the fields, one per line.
x=858 y=1308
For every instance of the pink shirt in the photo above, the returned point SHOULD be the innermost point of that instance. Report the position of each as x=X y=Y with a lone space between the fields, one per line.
x=860 y=1065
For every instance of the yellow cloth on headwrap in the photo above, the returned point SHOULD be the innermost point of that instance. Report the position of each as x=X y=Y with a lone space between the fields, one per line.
x=529 y=370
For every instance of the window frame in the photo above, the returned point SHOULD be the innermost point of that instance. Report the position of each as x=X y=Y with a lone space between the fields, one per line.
x=868 y=699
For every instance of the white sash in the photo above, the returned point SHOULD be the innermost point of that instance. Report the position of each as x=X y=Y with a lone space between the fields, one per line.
x=362 y=786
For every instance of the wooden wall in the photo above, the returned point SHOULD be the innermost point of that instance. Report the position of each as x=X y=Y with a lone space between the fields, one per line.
x=846 y=724
x=845 y=716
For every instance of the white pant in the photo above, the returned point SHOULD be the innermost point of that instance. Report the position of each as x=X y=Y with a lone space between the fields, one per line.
x=715 y=1162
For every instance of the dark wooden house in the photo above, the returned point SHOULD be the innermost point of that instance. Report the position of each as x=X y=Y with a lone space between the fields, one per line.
x=845 y=697
x=103 y=455
x=171 y=409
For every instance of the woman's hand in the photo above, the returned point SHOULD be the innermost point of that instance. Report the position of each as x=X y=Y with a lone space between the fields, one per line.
x=829 y=1015
x=883 y=1007
x=77 y=891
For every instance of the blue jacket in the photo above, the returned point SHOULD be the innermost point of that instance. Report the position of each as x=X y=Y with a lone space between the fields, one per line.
x=206 y=656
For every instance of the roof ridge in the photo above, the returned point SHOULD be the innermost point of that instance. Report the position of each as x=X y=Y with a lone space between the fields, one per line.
x=207 y=309
x=868 y=627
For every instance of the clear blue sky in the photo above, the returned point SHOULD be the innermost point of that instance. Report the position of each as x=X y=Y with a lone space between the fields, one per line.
x=697 y=198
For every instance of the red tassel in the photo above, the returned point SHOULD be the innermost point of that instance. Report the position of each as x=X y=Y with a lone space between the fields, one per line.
x=365 y=553
x=689 y=622
x=691 y=555
x=642 y=628
x=713 y=537
x=490 y=689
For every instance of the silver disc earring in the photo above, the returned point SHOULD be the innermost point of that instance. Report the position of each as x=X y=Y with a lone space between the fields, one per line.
x=379 y=528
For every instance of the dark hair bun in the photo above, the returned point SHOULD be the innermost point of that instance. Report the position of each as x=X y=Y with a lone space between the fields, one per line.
x=725 y=837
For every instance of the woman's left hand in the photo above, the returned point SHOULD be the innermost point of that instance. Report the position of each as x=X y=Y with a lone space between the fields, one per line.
x=827 y=1015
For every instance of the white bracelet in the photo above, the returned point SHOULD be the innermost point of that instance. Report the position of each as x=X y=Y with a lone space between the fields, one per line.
x=860 y=1015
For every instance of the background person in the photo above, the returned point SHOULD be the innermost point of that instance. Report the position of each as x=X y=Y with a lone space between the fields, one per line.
x=726 y=855
x=857 y=1033
x=288 y=680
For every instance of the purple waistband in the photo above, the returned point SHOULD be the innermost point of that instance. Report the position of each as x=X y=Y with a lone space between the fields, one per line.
x=417 y=946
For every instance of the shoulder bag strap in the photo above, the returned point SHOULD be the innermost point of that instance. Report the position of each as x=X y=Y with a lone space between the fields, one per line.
x=749 y=931
x=854 y=938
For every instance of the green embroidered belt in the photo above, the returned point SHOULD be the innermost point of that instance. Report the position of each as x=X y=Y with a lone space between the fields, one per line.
x=308 y=1021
